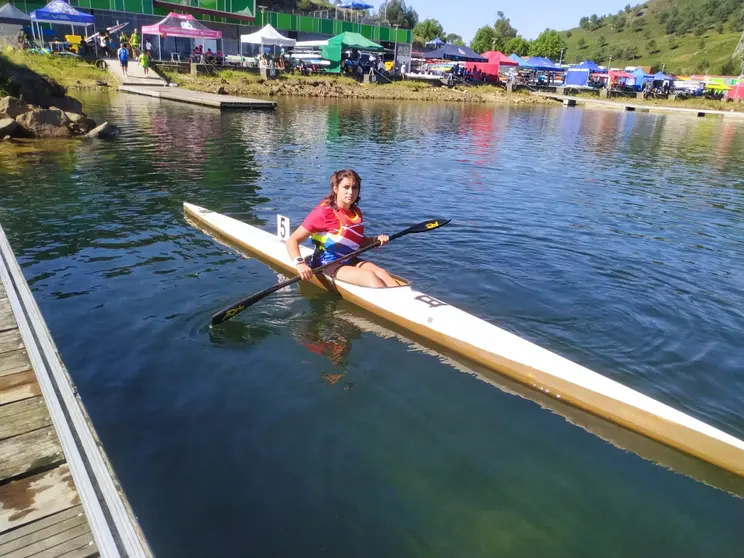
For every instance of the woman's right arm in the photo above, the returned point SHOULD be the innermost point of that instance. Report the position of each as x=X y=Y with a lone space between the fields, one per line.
x=293 y=247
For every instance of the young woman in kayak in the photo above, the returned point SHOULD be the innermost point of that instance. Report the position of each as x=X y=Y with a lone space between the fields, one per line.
x=336 y=227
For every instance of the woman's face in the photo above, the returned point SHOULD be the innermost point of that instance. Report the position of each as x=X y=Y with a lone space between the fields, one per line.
x=347 y=192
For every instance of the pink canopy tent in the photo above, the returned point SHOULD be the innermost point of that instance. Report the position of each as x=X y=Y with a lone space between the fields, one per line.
x=180 y=25
x=496 y=60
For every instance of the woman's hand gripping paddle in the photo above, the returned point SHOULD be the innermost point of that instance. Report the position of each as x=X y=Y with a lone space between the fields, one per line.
x=235 y=309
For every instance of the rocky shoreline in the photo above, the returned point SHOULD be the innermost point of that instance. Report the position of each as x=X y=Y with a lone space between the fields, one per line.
x=34 y=106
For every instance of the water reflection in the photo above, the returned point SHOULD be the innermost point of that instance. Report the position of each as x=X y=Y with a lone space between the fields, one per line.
x=612 y=239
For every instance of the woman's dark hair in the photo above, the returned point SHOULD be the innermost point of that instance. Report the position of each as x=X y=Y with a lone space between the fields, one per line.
x=336 y=179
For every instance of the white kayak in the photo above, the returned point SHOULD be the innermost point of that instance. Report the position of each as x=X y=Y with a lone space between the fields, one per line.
x=508 y=354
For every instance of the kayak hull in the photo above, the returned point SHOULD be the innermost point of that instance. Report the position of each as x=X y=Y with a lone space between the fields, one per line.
x=496 y=349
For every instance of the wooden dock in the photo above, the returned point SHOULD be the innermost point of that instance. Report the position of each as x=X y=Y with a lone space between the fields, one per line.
x=200 y=98
x=58 y=494
x=570 y=101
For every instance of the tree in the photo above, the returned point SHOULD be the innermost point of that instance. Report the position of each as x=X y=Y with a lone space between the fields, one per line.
x=584 y=22
x=484 y=40
x=518 y=45
x=631 y=52
x=627 y=8
x=617 y=51
x=548 y=44
x=701 y=43
x=593 y=22
x=601 y=41
x=569 y=34
x=582 y=43
x=427 y=30
x=702 y=66
x=729 y=68
x=672 y=25
x=618 y=24
x=673 y=43
x=454 y=39
x=395 y=12
x=637 y=25
x=503 y=29
x=651 y=47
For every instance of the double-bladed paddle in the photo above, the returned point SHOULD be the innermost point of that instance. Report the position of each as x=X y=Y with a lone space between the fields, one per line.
x=234 y=309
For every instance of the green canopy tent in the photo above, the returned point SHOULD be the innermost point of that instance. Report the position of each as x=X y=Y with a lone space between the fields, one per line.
x=339 y=43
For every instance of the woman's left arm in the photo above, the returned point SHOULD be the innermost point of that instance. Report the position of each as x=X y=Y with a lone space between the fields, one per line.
x=368 y=240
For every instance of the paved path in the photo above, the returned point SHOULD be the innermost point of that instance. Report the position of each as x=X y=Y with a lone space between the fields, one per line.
x=136 y=75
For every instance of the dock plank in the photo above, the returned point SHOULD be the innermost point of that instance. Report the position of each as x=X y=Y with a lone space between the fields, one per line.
x=29 y=532
x=55 y=537
x=15 y=387
x=7 y=319
x=23 y=416
x=10 y=340
x=32 y=498
x=13 y=362
x=78 y=543
x=28 y=452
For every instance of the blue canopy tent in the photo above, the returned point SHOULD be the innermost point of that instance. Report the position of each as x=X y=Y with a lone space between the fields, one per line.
x=59 y=11
x=579 y=74
x=543 y=64
x=661 y=76
x=641 y=78
x=452 y=52
x=518 y=59
x=437 y=42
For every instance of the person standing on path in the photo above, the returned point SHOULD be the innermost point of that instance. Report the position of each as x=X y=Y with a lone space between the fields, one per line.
x=145 y=62
x=135 y=41
x=124 y=58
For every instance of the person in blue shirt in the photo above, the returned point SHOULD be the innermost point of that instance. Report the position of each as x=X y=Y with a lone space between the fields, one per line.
x=123 y=58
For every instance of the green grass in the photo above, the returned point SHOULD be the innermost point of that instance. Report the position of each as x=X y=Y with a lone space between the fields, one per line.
x=688 y=57
x=67 y=71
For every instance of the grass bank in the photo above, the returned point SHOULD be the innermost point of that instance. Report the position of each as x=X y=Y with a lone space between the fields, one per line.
x=245 y=84
x=70 y=72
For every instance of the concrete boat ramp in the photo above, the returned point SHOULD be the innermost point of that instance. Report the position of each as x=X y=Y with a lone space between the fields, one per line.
x=154 y=86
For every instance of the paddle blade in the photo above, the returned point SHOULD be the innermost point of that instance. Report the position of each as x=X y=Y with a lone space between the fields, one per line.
x=428 y=225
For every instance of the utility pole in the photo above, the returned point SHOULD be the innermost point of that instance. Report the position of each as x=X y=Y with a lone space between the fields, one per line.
x=561 y=60
x=395 y=53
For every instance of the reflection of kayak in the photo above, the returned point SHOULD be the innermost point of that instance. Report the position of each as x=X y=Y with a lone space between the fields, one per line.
x=501 y=351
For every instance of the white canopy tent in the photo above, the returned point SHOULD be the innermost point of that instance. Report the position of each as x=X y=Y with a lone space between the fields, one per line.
x=11 y=13
x=267 y=36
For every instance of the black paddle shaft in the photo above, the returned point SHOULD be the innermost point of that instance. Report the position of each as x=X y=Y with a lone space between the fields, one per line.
x=234 y=309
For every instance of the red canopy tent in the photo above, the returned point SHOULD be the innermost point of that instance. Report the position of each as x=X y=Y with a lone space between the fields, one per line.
x=736 y=93
x=616 y=76
x=180 y=25
x=496 y=60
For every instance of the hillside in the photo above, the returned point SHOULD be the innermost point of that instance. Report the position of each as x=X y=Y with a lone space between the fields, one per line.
x=687 y=36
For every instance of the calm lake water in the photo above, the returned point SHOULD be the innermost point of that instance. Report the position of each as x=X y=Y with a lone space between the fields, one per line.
x=305 y=428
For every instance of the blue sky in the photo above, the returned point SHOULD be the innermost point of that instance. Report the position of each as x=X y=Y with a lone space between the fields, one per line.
x=529 y=17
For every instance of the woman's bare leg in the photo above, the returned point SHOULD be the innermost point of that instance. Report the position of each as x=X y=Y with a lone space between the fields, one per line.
x=358 y=276
x=383 y=275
